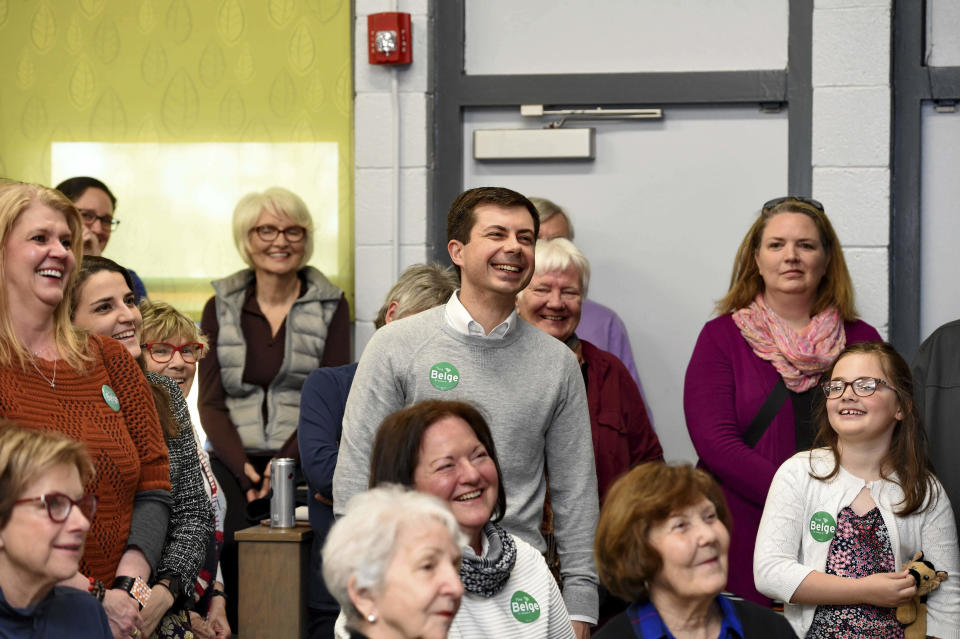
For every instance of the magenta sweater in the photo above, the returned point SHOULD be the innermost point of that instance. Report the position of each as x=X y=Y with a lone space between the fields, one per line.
x=725 y=386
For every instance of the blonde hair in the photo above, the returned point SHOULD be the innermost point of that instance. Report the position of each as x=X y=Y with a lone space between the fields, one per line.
x=26 y=454
x=15 y=198
x=420 y=287
x=278 y=201
x=161 y=321
x=835 y=288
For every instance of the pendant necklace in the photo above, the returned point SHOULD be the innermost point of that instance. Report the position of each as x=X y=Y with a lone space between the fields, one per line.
x=52 y=382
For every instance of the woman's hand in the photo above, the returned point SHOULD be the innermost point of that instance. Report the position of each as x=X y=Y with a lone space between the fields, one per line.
x=217 y=618
x=581 y=629
x=201 y=629
x=265 y=486
x=888 y=589
x=122 y=613
x=157 y=606
x=253 y=476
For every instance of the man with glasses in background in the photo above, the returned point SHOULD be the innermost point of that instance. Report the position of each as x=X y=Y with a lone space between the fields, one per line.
x=96 y=204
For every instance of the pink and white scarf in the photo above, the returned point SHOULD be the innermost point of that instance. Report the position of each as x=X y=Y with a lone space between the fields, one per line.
x=799 y=357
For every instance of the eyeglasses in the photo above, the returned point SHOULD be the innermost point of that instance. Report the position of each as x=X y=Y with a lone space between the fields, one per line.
x=162 y=352
x=862 y=387
x=809 y=201
x=268 y=232
x=59 y=505
x=89 y=217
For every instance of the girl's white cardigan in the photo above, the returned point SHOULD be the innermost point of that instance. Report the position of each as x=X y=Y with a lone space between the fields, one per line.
x=786 y=551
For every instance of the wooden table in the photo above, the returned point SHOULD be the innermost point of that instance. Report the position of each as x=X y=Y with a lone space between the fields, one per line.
x=274 y=572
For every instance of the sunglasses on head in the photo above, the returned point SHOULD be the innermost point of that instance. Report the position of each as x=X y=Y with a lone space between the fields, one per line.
x=808 y=201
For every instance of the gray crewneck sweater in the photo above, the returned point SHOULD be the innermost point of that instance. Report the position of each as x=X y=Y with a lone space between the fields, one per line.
x=529 y=388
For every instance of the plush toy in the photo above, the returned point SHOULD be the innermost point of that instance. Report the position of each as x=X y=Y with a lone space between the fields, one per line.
x=914 y=613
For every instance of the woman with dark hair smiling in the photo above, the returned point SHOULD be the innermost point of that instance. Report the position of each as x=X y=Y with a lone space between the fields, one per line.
x=446 y=449
x=662 y=544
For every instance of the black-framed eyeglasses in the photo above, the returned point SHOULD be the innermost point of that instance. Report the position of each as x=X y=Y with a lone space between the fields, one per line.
x=89 y=217
x=59 y=505
x=162 y=352
x=809 y=201
x=268 y=232
x=862 y=387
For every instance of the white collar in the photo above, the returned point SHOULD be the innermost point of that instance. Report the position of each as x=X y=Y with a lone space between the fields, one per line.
x=460 y=320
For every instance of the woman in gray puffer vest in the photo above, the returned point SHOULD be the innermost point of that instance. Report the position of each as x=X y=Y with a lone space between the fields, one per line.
x=269 y=326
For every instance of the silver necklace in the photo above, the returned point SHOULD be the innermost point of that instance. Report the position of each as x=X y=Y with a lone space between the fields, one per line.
x=53 y=382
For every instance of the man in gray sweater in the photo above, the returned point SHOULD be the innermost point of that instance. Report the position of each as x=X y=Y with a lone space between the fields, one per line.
x=527 y=384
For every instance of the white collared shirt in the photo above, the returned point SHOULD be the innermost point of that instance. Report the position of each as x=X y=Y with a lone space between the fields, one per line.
x=460 y=320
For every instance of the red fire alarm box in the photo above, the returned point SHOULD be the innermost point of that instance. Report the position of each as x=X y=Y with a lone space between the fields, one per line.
x=390 y=38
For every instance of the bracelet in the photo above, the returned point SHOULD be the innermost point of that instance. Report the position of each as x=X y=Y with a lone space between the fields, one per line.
x=136 y=588
x=218 y=593
x=97 y=589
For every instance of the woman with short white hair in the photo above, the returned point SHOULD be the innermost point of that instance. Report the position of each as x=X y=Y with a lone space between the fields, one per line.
x=392 y=562
x=268 y=327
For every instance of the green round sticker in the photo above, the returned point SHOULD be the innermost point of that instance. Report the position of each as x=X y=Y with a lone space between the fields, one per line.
x=822 y=526
x=524 y=607
x=444 y=376
x=110 y=397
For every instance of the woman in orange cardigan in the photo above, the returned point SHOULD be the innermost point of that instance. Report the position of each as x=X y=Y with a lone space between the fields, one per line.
x=55 y=377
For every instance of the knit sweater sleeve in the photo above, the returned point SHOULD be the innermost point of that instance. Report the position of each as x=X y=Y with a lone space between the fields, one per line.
x=710 y=407
x=191 y=516
x=573 y=491
x=376 y=392
x=139 y=414
x=777 y=569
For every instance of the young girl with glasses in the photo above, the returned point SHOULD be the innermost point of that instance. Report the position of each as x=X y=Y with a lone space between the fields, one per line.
x=840 y=520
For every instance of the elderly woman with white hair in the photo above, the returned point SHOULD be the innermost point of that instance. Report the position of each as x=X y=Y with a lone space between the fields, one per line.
x=268 y=327
x=622 y=435
x=392 y=562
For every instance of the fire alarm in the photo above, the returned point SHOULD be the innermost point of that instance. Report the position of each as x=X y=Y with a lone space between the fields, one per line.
x=390 y=38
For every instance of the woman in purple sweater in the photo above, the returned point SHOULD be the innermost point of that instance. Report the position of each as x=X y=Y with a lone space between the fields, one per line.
x=787 y=315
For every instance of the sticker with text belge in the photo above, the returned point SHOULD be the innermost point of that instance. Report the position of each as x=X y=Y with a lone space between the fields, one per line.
x=110 y=397
x=444 y=376
x=822 y=526
x=524 y=607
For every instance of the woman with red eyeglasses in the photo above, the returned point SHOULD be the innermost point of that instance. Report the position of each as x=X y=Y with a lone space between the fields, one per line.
x=103 y=304
x=269 y=326
x=44 y=520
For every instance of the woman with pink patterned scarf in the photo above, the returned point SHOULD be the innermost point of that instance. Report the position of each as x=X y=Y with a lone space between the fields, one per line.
x=752 y=379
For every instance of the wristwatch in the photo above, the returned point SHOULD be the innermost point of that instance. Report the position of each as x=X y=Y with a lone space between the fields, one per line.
x=135 y=587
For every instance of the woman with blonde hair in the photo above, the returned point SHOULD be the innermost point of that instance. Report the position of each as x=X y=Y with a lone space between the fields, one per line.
x=787 y=315
x=56 y=377
x=268 y=326
x=44 y=519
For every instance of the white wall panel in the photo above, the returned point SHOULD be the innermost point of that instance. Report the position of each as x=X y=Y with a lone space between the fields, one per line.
x=573 y=36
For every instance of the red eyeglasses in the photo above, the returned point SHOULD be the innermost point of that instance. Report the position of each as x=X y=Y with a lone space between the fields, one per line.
x=59 y=505
x=162 y=352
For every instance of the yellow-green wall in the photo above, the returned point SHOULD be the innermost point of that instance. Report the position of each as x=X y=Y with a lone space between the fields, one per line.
x=177 y=71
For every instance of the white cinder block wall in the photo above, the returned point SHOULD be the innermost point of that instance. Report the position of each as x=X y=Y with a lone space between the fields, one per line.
x=851 y=149
x=373 y=157
x=852 y=140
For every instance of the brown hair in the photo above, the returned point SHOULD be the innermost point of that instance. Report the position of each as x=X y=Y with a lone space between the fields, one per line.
x=396 y=449
x=26 y=454
x=636 y=502
x=461 y=217
x=162 y=321
x=835 y=288
x=15 y=198
x=908 y=456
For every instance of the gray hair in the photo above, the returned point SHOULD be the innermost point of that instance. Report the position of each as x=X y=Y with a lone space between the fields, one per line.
x=559 y=254
x=547 y=209
x=282 y=203
x=360 y=544
x=420 y=287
